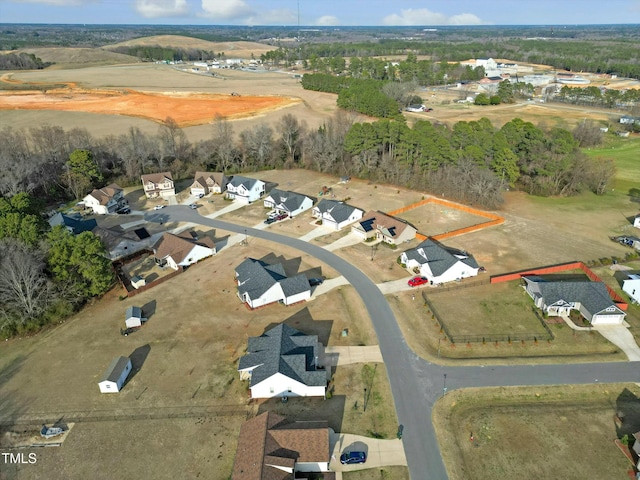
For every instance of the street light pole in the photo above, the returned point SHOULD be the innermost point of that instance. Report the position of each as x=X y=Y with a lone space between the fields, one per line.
x=364 y=409
x=246 y=238
x=444 y=385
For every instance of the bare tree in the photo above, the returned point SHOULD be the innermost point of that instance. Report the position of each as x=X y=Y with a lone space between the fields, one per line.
x=588 y=133
x=401 y=92
x=25 y=292
x=17 y=164
x=291 y=131
x=222 y=139
x=257 y=145
x=174 y=141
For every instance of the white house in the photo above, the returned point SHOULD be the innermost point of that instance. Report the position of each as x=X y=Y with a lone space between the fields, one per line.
x=133 y=317
x=630 y=284
x=627 y=120
x=270 y=446
x=636 y=221
x=334 y=214
x=209 y=182
x=284 y=362
x=291 y=203
x=115 y=376
x=438 y=263
x=158 y=185
x=105 y=200
x=260 y=284
x=245 y=189
x=182 y=250
x=560 y=297
x=389 y=229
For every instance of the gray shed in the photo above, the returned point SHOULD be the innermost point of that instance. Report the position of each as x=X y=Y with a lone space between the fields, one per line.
x=133 y=317
x=115 y=376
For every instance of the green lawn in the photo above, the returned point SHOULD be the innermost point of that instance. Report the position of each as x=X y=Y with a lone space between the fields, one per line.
x=625 y=152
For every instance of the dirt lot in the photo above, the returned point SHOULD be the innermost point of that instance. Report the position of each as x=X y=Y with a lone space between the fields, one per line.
x=492 y=308
x=185 y=359
x=565 y=432
x=432 y=219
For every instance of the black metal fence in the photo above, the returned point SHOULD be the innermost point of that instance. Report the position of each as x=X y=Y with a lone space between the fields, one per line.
x=547 y=335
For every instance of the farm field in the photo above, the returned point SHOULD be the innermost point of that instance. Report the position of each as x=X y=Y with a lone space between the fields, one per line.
x=532 y=432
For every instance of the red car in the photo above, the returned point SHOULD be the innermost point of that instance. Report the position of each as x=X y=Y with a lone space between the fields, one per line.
x=415 y=281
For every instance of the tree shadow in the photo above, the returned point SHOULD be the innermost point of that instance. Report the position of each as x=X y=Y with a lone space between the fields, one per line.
x=138 y=357
x=634 y=195
x=627 y=413
x=11 y=406
x=357 y=446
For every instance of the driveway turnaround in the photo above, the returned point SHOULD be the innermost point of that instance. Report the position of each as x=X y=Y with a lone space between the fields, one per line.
x=379 y=452
x=415 y=383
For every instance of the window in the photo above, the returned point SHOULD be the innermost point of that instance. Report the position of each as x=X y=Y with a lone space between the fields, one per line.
x=270 y=389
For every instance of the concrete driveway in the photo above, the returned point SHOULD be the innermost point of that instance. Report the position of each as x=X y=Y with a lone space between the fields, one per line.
x=346 y=355
x=394 y=286
x=622 y=338
x=380 y=453
x=346 y=241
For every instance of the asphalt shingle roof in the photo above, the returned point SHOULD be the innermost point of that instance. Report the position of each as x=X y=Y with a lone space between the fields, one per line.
x=255 y=277
x=284 y=350
x=593 y=296
x=133 y=312
x=248 y=183
x=115 y=369
x=439 y=258
x=289 y=201
x=339 y=211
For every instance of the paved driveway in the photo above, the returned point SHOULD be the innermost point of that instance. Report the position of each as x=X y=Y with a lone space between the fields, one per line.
x=622 y=338
x=379 y=452
x=347 y=355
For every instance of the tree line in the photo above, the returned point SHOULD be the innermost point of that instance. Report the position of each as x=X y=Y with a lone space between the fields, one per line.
x=170 y=54
x=22 y=61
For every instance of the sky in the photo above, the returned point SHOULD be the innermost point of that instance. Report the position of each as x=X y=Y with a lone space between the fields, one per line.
x=322 y=12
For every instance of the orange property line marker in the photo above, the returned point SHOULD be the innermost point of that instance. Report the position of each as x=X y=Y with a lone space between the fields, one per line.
x=493 y=218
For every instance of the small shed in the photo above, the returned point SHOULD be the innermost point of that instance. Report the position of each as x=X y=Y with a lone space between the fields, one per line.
x=138 y=281
x=115 y=376
x=133 y=317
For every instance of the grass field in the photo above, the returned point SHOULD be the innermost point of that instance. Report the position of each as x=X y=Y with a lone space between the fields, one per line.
x=384 y=473
x=564 y=432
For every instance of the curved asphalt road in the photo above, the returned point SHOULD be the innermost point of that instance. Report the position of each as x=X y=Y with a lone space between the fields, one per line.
x=415 y=383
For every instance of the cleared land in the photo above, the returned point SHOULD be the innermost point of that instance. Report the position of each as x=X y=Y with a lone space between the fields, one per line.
x=563 y=432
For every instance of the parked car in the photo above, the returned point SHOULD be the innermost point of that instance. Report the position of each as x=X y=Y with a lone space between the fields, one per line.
x=193 y=206
x=282 y=216
x=159 y=207
x=314 y=282
x=200 y=195
x=127 y=331
x=269 y=221
x=124 y=211
x=416 y=281
x=348 y=458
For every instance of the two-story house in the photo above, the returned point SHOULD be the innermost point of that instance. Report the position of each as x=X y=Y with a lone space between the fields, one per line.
x=158 y=185
x=245 y=189
x=105 y=200
x=209 y=182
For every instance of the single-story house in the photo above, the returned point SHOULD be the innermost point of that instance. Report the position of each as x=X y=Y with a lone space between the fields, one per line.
x=245 y=189
x=291 y=203
x=73 y=223
x=209 y=182
x=335 y=214
x=105 y=200
x=272 y=447
x=438 y=263
x=630 y=282
x=628 y=120
x=260 y=284
x=133 y=317
x=182 y=250
x=384 y=227
x=121 y=243
x=115 y=376
x=284 y=362
x=560 y=297
x=158 y=185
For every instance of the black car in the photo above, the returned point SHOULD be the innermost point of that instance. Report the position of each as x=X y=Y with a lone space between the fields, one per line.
x=314 y=282
x=269 y=221
x=127 y=331
x=349 y=458
x=124 y=211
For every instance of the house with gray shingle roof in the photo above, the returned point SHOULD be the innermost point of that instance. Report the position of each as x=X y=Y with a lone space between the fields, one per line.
x=284 y=362
x=115 y=376
x=335 y=214
x=260 y=284
x=438 y=263
x=270 y=447
x=559 y=297
x=291 y=203
x=245 y=189
x=209 y=182
x=73 y=223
